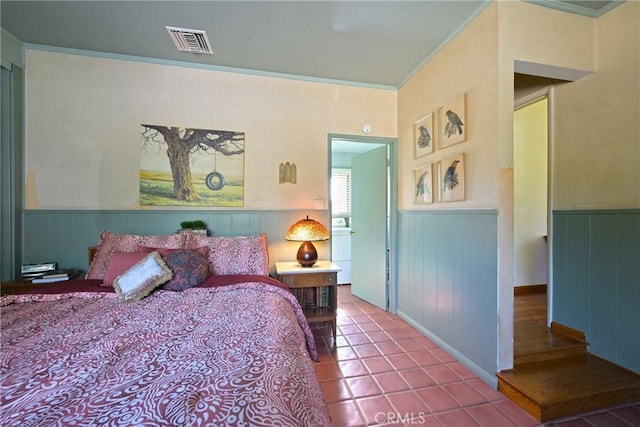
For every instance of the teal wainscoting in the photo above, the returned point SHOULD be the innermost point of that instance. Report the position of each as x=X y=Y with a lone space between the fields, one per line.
x=596 y=280
x=63 y=236
x=448 y=282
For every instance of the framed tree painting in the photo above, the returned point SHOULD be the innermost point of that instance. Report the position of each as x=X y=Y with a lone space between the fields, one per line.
x=451 y=179
x=423 y=136
x=453 y=120
x=423 y=184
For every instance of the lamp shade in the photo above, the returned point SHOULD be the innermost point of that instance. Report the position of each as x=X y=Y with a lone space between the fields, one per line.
x=307 y=231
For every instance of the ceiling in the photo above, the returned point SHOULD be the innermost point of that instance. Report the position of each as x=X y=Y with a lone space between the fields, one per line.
x=378 y=43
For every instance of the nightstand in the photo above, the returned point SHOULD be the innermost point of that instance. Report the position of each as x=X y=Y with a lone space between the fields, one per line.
x=14 y=286
x=314 y=287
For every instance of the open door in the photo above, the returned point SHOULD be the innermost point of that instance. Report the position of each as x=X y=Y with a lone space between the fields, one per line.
x=369 y=260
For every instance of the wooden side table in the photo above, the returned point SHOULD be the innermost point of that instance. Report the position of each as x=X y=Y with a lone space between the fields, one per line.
x=315 y=289
x=15 y=286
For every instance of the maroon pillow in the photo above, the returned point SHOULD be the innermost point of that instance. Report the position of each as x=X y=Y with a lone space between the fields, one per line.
x=189 y=267
x=121 y=262
x=204 y=251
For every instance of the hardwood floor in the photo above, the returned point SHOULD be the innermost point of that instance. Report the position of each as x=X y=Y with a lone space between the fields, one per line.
x=554 y=375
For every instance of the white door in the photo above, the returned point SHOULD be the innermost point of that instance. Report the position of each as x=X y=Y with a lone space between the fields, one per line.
x=369 y=225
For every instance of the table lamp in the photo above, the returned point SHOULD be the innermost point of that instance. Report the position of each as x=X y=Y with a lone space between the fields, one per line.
x=307 y=231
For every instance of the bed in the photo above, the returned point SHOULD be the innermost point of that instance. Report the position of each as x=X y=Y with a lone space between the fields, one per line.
x=233 y=349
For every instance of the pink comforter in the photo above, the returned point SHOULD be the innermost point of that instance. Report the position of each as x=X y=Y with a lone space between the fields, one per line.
x=229 y=355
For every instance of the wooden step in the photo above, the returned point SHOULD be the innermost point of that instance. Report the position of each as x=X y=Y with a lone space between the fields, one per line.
x=572 y=385
x=535 y=342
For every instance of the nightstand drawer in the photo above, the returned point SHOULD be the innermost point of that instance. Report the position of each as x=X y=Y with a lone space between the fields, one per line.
x=308 y=280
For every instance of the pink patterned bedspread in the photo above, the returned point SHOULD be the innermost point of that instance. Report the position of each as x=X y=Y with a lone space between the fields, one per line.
x=232 y=355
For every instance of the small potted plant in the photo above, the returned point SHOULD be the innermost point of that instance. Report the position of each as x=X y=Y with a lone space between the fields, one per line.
x=196 y=226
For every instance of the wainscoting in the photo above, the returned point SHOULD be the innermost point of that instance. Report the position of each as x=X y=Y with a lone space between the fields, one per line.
x=596 y=280
x=63 y=236
x=448 y=282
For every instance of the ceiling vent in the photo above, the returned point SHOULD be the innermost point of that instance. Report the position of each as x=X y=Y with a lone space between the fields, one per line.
x=194 y=41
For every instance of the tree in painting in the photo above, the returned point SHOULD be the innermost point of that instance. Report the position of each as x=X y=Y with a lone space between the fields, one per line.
x=182 y=143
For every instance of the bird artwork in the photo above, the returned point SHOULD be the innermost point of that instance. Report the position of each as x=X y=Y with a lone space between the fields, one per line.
x=454 y=124
x=422 y=187
x=424 y=139
x=450 y=180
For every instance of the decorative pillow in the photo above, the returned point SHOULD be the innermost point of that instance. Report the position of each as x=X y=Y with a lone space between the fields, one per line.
x=189 y=267
x=204 y=251
x=111 y=243
x=121 y=262
x=234 y=255
x=137 y=282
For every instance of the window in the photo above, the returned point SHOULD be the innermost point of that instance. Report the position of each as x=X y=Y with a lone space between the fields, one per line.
x=341 y=193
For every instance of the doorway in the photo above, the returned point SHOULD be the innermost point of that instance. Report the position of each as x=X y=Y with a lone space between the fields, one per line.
x=368 y=224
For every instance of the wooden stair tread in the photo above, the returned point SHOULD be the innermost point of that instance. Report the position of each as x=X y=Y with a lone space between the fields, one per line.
x=571 y=378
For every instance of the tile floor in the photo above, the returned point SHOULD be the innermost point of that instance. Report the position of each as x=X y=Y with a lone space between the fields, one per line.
x=384 y=372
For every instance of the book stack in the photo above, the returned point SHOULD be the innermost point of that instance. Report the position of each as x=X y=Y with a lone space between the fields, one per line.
x=47 y=272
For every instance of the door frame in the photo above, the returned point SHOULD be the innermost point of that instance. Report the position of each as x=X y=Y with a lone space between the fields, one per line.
x=392 y=205
x=546 y=92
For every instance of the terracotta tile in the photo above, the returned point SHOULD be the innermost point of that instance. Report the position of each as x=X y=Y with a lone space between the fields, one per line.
x=630 y=414
x=361 y=319
x=377 y=364
x=363 y=386
x=376 y=410
x=398 y=333
x=417 y=378
x=378 y=336
x=464 y=394
x=335 y=391
x=486 y=390
x=516 y=414
x=345 y=414
x=353 y=368
x=369 y=327
x=391 y=382
x=437 y=399
x=366 y=350
x=341 y=341
x=457 y=419
x=401 y=361
x=350 y=329
x=328 y=371
x=462 y=371
x=387 y=324
x=426 y=342
x=409 y=344
x=407 y=402
x=424 y=358
x=489 y=416
x=360 y=338
x=389 y=347
x=345 y=353
x=442 y=374
x=605 y=419
x=344 y=320
x=443 y=355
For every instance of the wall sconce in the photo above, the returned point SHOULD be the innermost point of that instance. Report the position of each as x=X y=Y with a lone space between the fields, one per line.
x=307 y=231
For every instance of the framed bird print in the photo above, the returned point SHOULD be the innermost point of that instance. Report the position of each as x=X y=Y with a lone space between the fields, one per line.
x=424 y=136
x=423 y=184
x=453 y=122
x=451 y=179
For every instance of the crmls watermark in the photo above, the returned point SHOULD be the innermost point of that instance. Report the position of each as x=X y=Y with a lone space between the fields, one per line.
x=406 y=418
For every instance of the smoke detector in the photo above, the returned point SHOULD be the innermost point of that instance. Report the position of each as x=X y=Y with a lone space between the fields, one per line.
x=194 y=41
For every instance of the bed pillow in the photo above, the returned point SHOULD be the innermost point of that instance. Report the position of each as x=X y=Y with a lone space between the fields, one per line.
x=121 y=262
x=138 y=281
x=189 y=267
x=234 y=255
x=111 y=243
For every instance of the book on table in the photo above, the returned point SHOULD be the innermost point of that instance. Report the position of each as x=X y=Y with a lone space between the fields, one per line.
x=54 y=276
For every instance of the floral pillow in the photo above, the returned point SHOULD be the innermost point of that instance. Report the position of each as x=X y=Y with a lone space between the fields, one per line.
x=190 y=268
x=234 y=255
x=138 y=281
x=111 y=243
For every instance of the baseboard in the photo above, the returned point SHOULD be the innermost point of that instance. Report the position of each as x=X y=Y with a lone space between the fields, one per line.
x=568 y=331
x=529 y=290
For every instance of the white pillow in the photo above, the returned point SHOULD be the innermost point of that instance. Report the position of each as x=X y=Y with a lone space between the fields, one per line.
x=138 y=281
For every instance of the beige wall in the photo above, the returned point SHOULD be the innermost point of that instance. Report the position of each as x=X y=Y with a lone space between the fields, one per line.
x=597 y=122
x=468 y=64
x=83 y=117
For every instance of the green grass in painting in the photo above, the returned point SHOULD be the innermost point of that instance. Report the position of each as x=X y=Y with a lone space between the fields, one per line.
x=156 y=189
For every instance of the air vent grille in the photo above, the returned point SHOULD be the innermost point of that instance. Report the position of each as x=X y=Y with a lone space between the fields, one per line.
x=194 y=41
